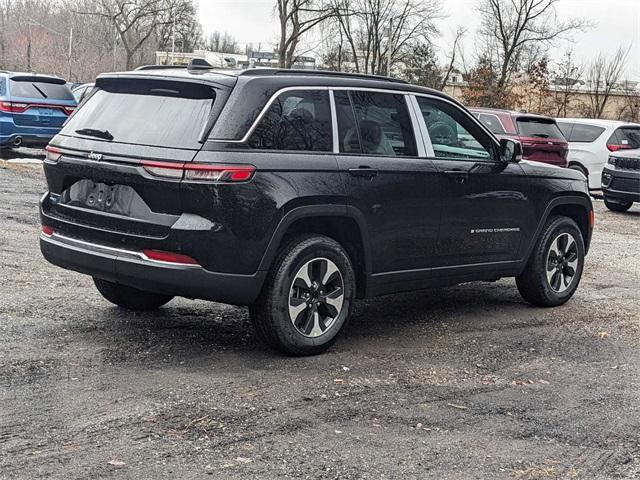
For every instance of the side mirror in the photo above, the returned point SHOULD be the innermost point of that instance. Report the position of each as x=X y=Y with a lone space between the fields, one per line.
x=510 y=150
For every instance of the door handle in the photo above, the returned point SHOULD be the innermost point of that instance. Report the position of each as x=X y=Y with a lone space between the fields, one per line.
x=459 y=176
x=363 y=171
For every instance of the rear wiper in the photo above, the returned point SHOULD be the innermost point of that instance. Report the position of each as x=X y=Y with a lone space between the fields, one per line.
x=44 y=95
x=93 y=132
x=541 y=135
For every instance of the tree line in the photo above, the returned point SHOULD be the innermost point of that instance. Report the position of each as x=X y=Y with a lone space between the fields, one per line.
x=78 y=39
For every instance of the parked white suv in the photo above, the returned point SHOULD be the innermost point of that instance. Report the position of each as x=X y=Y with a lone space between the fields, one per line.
x=592 y=141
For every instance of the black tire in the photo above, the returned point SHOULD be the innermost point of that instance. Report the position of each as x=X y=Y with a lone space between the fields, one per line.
x=129 y=297
x=580 y=169
x=534 y=283
x=616 y=205
x=270 y=313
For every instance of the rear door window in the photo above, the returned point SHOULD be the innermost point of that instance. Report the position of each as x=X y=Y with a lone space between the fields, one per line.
x=3 y=87
x=146 y=112
x=626 y=137
x=379 y=124
x=298 y=120
x=39 y=90
x=533 y=127
x=492 y=122
x=584 y=133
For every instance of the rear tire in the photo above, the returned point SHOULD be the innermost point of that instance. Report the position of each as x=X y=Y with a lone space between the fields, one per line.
x=616 y=206
x=307 y=296
x=555 y=266
x=129 y=297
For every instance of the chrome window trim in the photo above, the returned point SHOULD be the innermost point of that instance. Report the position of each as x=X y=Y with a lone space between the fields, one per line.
x=334 y=123
x=330 y=89
x=263 y=112
x=422 y=125
x=418 y=133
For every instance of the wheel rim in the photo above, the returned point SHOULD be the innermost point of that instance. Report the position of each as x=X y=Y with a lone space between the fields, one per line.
x=316 y=297
x=562 y=262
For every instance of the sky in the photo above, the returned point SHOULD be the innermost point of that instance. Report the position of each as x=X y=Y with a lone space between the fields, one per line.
x=617 y=22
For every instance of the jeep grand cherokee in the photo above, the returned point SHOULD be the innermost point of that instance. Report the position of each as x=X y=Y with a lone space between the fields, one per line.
x=296 y=192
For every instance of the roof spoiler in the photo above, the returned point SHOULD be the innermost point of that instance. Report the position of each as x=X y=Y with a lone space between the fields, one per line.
x=39 y=78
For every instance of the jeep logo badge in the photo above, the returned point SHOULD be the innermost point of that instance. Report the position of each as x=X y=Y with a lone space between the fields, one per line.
x=94 y=156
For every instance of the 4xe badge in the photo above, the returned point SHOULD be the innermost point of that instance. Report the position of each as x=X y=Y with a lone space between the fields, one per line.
x=94 y=156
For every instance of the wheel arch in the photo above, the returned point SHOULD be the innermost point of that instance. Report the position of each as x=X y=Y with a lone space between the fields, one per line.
x=345 y=224
x=576 y=207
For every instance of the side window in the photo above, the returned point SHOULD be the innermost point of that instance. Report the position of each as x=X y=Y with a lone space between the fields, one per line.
x=565 y=128
x=584 y=133
x=3 y=88
x=453 y=134
x=492 y=122
x=298 y=120
x=374 y=124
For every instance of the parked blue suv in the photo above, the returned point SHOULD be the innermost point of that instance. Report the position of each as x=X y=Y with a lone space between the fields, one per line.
x=32 y=108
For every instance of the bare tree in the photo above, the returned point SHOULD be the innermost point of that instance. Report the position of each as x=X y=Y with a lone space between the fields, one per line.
x=135 y=21
x=518 y=29
x=568 y=75
x=603 y=76
x=383 y=32
x=460 y=33
x=221 y=42
x=629 y=111
x=297 y=17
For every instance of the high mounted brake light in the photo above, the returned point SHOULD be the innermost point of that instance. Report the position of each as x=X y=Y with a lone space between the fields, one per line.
x=200 y=171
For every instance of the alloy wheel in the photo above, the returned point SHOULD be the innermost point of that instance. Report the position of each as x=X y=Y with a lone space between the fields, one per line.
x=562 y=262
x=316 y=297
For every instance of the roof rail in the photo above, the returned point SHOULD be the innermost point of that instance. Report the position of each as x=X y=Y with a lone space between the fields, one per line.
x=158 y=67
x=328 y=73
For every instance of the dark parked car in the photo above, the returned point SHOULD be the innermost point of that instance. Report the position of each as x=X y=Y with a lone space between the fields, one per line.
x=296 y=192
x=621 y=180
x=32 y=108
x=541 y=139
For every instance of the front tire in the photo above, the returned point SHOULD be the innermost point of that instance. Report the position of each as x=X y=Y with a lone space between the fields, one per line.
x=130 y=298
x=617 y=206
x=554 y=269
x=307 y=297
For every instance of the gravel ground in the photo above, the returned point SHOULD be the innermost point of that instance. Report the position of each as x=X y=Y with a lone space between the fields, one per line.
x=456 y=383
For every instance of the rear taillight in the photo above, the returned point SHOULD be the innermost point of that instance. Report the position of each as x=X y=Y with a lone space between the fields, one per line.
x=169 y=257
x=614 y=148
x=69 y=110
x=200 y=171
x=53 y=154
x=47 y=231
x=12 y=107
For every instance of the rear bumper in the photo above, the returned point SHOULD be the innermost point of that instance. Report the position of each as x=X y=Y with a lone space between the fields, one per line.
x=9 y=132
x=132 y=268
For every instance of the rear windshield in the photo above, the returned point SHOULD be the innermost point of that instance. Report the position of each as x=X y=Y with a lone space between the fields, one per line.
x=146 y=112
x=533 y=127
x=39 y=90
x=626 y=137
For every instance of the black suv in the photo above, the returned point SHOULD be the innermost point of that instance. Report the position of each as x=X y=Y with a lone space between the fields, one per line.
x=621 y=180
x=296 y=192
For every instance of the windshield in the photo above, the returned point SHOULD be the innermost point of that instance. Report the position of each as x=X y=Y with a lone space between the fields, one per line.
x=27 y=89
x=533 y=127
x=144 y=112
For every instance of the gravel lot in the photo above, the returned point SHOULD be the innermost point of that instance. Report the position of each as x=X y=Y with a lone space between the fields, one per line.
x=457 y=383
